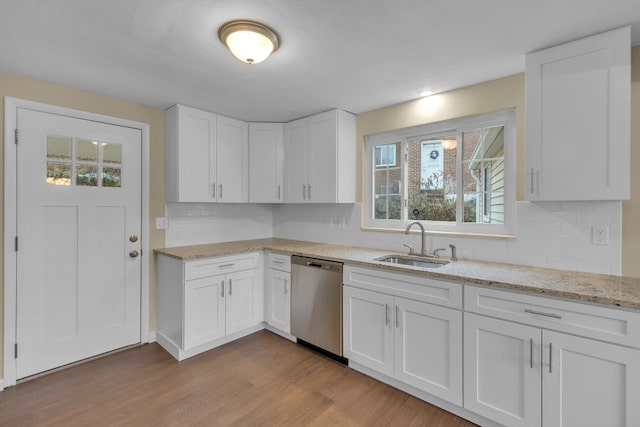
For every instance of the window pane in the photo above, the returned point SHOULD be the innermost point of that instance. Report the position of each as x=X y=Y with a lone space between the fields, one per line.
x=387 y=178
x=432 y=179
x=58 y=147
x=86 y=150
x=111 y=177
x=111 y=153
x=472 y=208
x=387 y=207
x=58 y=173
x=87 y=175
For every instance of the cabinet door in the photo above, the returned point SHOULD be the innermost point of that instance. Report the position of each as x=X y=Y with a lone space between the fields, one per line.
x=204 y=310
x=502 y=370
x=190 y=149
x=578 y=119
x=296 y=154
x=265 y=162
x=323 y=157
x=242 y=301
x=589 y=383
x=232 y=174
x=279 y=300
x=428 y=348
x=368 y=329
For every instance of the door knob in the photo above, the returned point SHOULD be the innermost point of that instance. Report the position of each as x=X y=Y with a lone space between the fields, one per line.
x=133 y=238
x=133 y=253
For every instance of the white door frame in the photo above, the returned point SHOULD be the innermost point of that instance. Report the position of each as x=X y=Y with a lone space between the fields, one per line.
x=10 y=224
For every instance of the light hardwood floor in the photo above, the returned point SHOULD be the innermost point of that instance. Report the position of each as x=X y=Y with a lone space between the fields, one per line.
x=261 y=379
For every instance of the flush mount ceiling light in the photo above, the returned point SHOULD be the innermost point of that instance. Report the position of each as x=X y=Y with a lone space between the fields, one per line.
x=249 y=41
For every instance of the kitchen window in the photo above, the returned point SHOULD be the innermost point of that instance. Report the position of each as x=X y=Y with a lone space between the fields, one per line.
x=454 y=176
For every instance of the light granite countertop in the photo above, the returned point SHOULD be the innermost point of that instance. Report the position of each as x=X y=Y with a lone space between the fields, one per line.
x=587 y=287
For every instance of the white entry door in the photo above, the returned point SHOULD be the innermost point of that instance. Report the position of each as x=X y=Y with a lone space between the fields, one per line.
x=78 y=228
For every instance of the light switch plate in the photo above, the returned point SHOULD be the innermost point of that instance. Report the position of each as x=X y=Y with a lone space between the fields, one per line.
x=162 y=223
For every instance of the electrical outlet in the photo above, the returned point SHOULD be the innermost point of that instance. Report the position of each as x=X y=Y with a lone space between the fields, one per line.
x=600 y=235
x=162 y=223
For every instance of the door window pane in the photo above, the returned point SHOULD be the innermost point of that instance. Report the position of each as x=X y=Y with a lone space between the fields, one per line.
x=111 y=153
x=86 y=150
x=58 y=173
x=111 y=177
x=87 y=175
x=58 y=147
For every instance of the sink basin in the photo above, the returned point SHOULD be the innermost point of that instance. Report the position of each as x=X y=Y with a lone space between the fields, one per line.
x=413 y=261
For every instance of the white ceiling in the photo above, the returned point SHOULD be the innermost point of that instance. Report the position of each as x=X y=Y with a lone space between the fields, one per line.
x=358 y=55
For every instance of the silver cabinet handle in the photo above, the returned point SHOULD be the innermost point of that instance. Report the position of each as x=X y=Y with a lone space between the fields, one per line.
x=531 y=352
x=304 y=192
x=213 y=190
x=226 y=265
x=220 y=190
x=230 y=287
x=550 y=355
x=309 y=191
x=278 y=192
x=397 y=318
x=222 y=289
x=285 y=286
x=386 y=312
x=532 y=176
x=542 y=313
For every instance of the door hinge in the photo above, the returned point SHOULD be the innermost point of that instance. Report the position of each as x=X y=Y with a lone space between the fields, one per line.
x=16 y=243
x=15 y=350
x=16 y=136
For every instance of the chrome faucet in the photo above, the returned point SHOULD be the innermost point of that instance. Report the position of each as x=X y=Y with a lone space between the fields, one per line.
x=423 y=251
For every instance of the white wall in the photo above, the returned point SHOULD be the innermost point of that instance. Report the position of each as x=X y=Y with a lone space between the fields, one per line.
x=198 y=223
x=552 y=235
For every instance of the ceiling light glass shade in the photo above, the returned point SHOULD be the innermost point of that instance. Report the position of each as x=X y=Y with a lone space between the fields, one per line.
x=249 y=41
x=449 y=144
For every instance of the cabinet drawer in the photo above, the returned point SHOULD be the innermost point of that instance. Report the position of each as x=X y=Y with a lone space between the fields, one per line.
x=279 y=261
x=607 y=324
x=411 y=286
x=219 y=265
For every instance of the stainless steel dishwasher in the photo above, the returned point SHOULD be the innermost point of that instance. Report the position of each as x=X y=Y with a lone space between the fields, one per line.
x=316 y=303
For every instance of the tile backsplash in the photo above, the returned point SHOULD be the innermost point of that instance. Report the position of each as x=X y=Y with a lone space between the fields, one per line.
x=549 y=234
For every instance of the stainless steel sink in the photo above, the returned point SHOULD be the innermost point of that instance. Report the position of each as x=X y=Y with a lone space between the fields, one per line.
x=413 y=261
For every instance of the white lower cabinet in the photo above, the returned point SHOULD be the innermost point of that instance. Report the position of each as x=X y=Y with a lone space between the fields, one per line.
x=208 y=302
x=502 y=370
x=414 y=342
x=528 y=375
x=278 y=292
x=204 y=313
x=589 y=383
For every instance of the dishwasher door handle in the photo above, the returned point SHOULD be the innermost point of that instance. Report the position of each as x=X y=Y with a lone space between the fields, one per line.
x=314 y=264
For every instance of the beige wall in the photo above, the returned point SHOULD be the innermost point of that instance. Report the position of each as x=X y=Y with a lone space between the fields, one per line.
x=631 y=208
x=39 y=91
x=499 y=95
x=487 y=97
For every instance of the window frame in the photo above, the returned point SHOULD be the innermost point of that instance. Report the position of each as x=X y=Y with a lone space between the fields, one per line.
x=457 y=126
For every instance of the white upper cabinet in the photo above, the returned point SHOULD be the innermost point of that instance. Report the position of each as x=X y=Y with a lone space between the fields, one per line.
x=320 y=158
x=232 y=161
x=266 y=158
x=190 y=147
x=578 y=119
x=206 y=157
